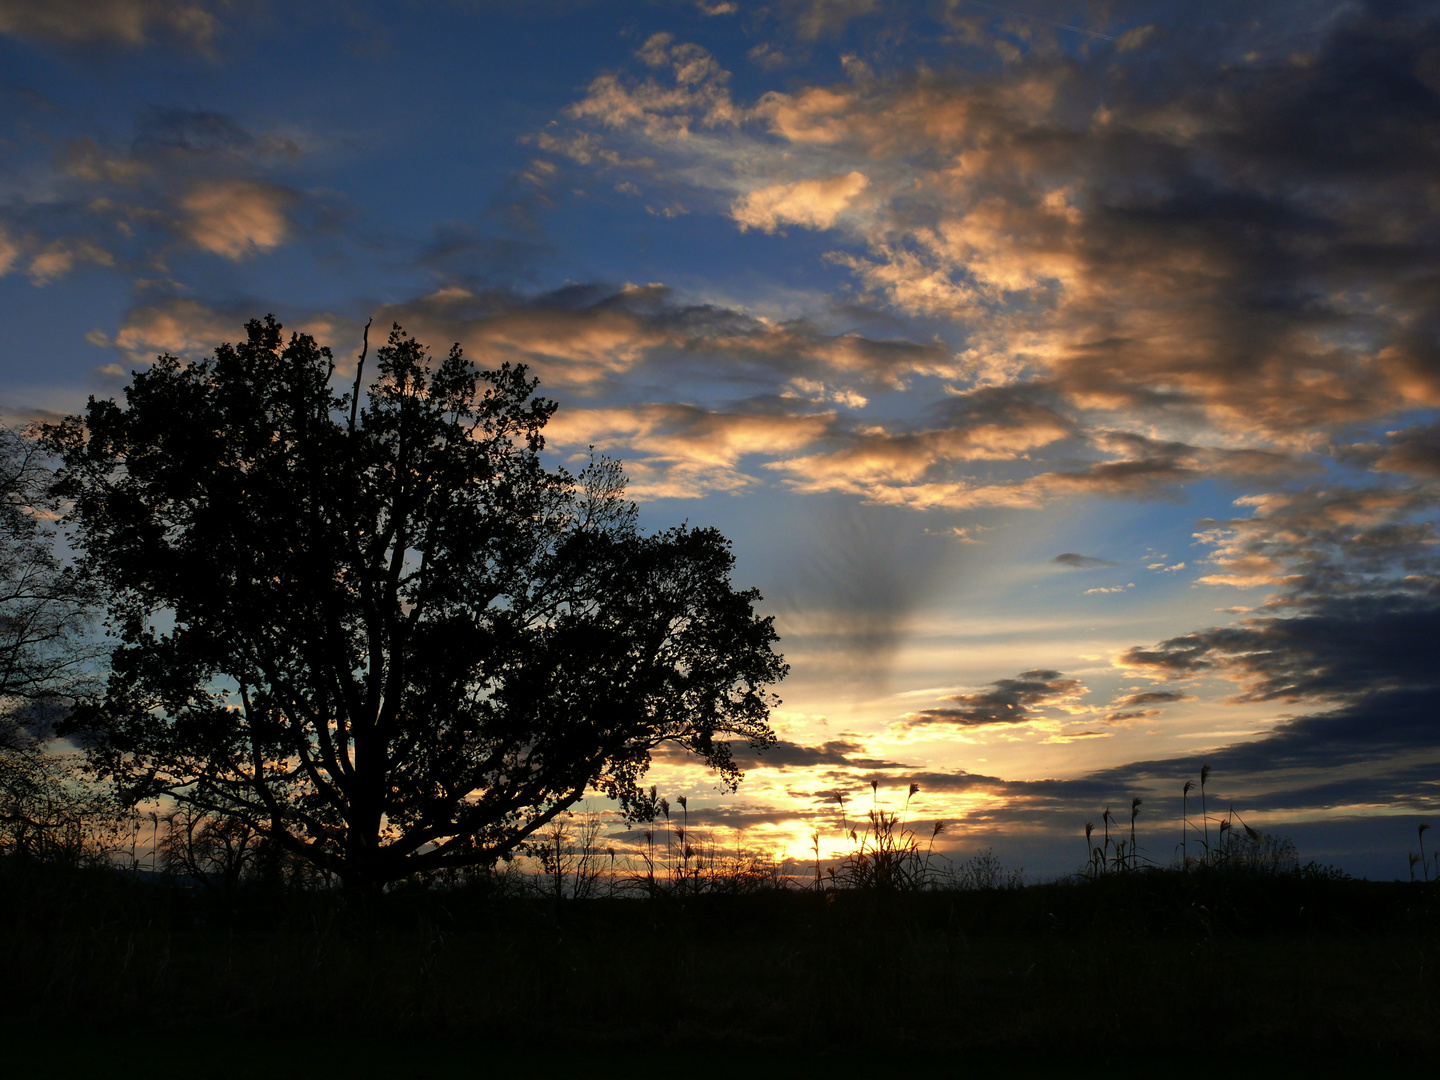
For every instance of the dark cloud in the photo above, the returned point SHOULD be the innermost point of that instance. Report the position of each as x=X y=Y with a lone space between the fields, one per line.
x=1343 y=648
x=197 y=132
x=838 y=754
x=646 y=333
x=1010 y=701
x=845 y=753
x=1415 y=450
x=1076 y=561
x=108 y=22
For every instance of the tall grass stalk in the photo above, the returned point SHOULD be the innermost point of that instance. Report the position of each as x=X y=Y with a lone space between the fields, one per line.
x=1204 y=776
x=1185 y=824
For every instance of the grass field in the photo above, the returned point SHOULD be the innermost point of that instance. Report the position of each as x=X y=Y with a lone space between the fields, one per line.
x=1254 y=976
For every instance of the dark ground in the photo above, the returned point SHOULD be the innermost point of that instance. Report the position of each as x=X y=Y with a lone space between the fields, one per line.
x=1137 y=975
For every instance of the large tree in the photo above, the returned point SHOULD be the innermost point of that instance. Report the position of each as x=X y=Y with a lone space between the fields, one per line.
x=389 y=636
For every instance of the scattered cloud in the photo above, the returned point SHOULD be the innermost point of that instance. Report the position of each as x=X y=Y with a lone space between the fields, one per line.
x=1151 y=697
x=1147 y=244
x=1076 y=561
x=108 y=22
x=58 y=257
x=1028 y=696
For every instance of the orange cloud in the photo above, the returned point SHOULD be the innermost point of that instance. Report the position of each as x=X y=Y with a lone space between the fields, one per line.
x=58 y=257
x=683 y=451
x=1163 y=253
x=234 y=218
x=812 y=203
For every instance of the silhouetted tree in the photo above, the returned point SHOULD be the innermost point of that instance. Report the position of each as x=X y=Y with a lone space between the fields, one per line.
x=44 y=605
x=47 y=810
x=389 y=637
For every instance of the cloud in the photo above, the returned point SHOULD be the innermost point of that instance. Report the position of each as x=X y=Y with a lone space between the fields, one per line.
x=235 y=218
x=1414 y=450
x=58 y=257
x=9 y=251
x=179 y=327
x=790 y=379
x=843 y=753
x=990 y=424
x=919 y=468
x=1202 y=252
x=84 y=159
x=1076 y=561
x=684 y=451
x=1010 y=701
x=1151 y=697
x=195 y=175
x=191 y=330
x=1072 y=220
x=108 y=22
x=1134 y=39
x=1329 y=541
x=1339 y=648
x=700 y=93
x=584 y=337
x=812 y=203
x=820 y=18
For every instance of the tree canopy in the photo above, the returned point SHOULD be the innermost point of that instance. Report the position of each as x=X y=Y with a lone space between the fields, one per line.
x=382 y=630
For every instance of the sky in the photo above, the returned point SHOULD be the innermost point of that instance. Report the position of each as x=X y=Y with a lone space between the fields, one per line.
x=1065 y=375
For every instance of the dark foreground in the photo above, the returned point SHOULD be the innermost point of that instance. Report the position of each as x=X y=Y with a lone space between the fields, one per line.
x=1149 y=973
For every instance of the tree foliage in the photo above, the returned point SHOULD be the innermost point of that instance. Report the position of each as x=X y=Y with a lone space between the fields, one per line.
x=43 y=603
x=388 y=636
x=47 y=810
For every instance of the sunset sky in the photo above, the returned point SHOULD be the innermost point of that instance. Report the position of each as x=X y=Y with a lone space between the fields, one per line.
x=1066 y=375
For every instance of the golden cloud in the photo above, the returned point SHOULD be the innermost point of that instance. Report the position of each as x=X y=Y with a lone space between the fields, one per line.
x=1146 y=252
x=683 y=451
x=812 y=203
x=235 y=218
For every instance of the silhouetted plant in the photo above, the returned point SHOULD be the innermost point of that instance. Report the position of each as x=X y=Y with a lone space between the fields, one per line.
x=1185 y=824
x=399 y=643
x=1204 y=811
x=49 y=810
x=208 y=847
x=984 y=870
x=1134 y=846
x=888 y=856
